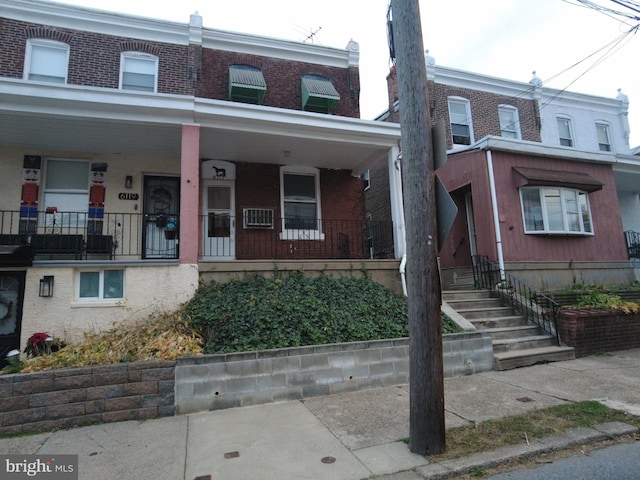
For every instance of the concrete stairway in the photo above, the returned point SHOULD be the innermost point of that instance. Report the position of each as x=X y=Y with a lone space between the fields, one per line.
x=516 y=343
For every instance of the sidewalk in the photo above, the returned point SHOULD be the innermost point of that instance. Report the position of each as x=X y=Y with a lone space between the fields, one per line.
x=351 y=436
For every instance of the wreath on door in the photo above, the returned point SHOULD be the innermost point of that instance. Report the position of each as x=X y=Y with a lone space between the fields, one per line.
x=5 y=309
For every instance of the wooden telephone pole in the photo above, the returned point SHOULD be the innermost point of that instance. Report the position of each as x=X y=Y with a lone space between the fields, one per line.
x=426 y=416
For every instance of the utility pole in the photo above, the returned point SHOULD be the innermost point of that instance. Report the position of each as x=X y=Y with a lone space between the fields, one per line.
x=426 y=412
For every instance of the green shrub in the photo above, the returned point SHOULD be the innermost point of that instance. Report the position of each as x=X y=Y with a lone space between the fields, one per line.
x=606 y=301
x=290 y=310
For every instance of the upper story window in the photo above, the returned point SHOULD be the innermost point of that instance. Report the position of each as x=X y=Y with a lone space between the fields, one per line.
x=318 y=94
x=565 y=131
x=246 y=84
x=604 y=137
x=300 y=203
x=509 y=121
x=139 y=71
x=46 y=61
x=460 y=118
x=555 y=210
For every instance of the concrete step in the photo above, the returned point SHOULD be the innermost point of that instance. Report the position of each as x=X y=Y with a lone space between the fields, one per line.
x=474 y=303
x=449 y=295
x=523 y=358
x=498 y=322
x=513 y=332
x=523 y=343
x=489 y=312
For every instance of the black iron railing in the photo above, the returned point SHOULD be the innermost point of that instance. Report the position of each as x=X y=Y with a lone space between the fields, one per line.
x=536 y=307
x=633 y=244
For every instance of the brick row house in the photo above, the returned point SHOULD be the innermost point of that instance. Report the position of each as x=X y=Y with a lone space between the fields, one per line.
x=544 y=180
x=139 y=157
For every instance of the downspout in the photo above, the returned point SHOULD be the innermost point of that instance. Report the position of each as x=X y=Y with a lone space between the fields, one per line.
x=403 y=277
x=496 y=217
x=397 y=212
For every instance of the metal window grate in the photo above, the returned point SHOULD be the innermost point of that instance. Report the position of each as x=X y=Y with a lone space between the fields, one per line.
x=257 y=218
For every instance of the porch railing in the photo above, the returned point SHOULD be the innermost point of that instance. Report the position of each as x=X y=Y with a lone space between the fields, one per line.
x=55 y=235
x=536 y=307
x=633 y=244
x=274 y=238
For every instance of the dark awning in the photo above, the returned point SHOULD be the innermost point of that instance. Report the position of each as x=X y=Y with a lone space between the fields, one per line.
x=538 y=177
x=318 y=94
x=246 y=84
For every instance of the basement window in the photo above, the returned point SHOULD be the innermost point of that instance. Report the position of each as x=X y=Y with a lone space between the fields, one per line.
x=100 y=285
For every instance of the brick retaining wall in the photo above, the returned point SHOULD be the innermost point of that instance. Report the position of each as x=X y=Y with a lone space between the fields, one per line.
x=211 y=382
x=591 y=330
x=77 y=396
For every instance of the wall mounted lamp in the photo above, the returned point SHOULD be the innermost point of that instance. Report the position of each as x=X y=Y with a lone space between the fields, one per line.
x=128 y=181
x=46 y=286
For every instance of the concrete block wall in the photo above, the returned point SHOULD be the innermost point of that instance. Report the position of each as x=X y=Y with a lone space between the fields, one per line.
x=211 y=382
x=72 y=397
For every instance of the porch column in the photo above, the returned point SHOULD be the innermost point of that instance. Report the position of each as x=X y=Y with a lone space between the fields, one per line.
x=189 y=194
x=397 y=205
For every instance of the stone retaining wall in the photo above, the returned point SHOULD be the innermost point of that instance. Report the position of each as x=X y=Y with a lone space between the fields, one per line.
x=211 y=382
x=77 y=396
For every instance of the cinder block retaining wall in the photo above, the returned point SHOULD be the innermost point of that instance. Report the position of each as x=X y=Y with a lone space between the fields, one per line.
x=135 y=391
x=212 y=382
x=77 y=396
x=591 y=330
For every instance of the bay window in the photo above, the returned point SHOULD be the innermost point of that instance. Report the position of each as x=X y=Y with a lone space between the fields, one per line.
x=555 y=210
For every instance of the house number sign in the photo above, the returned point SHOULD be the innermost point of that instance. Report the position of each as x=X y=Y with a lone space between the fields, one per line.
x=128 y=196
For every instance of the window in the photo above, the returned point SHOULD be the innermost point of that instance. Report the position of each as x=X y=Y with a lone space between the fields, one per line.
x=100 y=285
x=366 y=177
x=318 y=94
x=139 y=71
x=246 y=84
x=300 y=188
x=564 y=132
x=555 y=210
x=46 y=61
x=604 y=139
x=460 y=117
x=66 y=192
x=509 y=122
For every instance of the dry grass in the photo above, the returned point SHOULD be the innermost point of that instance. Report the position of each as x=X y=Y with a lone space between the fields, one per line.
x=163 y=336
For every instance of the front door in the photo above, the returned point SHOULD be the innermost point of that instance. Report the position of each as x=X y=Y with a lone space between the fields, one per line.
x=161 y=207
x=11 y=295
x=219 y=220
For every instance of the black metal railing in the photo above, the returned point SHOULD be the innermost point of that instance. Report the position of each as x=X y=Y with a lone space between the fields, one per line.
x=235 y=237
x=633 y=244
x=538 y=308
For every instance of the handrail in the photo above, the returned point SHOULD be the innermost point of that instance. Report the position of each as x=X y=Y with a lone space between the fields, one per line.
x=538 y=308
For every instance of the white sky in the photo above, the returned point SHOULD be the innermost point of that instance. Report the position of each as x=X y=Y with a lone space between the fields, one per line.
x=501 y=38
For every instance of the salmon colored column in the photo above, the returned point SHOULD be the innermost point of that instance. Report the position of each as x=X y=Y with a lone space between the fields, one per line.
x=190 y=194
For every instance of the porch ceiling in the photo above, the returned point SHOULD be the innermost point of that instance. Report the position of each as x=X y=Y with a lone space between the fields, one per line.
x=74 y=121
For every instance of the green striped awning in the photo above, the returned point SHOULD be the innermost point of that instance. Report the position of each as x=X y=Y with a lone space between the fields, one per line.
x=246 y=84
x=318 y=94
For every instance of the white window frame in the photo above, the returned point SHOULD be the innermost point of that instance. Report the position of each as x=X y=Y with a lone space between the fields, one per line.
x=63 y=217
x=366 y=177
x=100 y=297
x=301 y=234
x=41 y=43
x=566 y=195
x=147 y=57
x=604 y=128
x=568 y=141
x=466 y=122
x=512 y=129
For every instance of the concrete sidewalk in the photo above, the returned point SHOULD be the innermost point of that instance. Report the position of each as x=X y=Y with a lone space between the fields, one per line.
x=339 y=437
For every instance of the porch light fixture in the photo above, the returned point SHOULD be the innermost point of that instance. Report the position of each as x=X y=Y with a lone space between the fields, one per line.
x=128 y=181
x=46 y=286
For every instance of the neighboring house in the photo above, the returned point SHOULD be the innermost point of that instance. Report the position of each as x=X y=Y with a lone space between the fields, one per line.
x=536 y=174
x=139 y=157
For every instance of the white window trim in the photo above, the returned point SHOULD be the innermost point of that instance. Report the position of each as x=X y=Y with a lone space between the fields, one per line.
x=366 y=177
x=607 y=127
x=469 y=120
x=100 y=299
x=62 y=218
x=143 y=56
x=301 y=234
x=42 y=42
x=545 y=218
x=516 y=116
x=571 y=132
